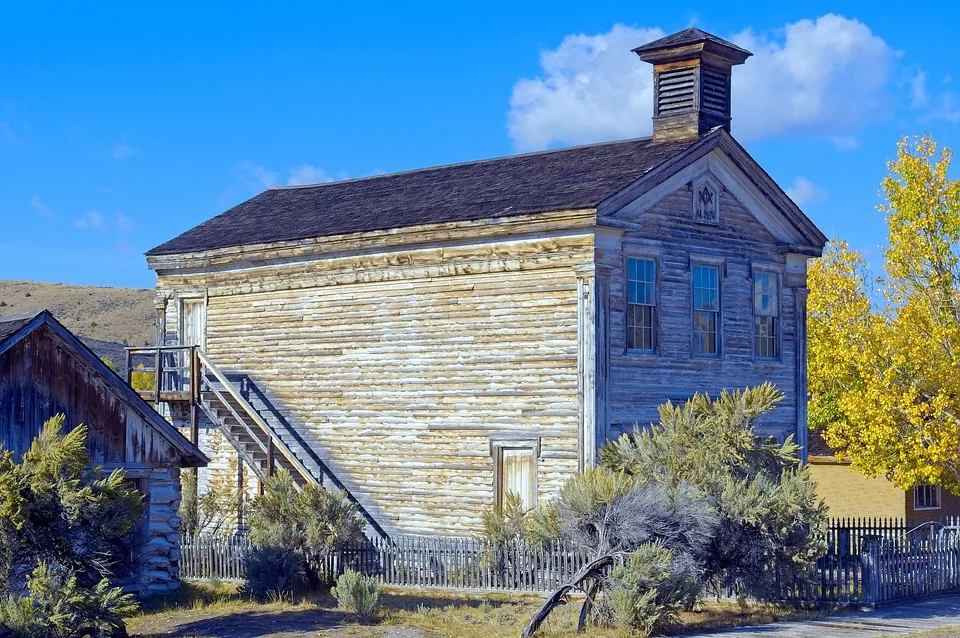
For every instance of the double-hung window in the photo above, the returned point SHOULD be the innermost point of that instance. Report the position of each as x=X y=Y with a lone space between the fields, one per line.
x=926 y=497
x=706 y=310
x=765 y=315
x=641 y=304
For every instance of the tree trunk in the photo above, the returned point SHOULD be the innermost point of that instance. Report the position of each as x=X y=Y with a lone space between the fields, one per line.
x=557 y=598
x=588 y=605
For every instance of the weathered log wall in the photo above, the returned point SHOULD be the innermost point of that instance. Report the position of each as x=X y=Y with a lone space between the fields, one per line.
x=405 y=364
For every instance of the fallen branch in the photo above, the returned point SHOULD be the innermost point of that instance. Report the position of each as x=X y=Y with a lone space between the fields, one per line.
x=557 y=598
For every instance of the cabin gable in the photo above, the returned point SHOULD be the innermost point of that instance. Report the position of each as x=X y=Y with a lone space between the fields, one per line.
x=42 y=374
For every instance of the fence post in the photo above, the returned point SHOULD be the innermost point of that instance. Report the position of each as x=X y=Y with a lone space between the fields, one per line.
x=870 y=562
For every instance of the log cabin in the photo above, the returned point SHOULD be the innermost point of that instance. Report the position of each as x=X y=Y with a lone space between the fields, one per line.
x=45 y=370
x=429 y=340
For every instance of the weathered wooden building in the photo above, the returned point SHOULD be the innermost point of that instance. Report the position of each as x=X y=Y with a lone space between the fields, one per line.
x=430 y=339
x=45 y=370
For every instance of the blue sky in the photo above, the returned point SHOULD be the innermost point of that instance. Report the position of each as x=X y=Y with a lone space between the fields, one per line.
x=124 y=125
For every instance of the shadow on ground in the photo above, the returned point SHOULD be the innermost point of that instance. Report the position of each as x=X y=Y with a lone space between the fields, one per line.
x=247 y=624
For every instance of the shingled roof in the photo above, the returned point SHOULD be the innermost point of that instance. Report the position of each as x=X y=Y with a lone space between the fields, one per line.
x=10 y=325
x=684 y=38
x=572 y=178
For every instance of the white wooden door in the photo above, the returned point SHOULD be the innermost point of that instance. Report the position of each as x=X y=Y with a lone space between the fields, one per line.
x=193 y=322
x=193 y=328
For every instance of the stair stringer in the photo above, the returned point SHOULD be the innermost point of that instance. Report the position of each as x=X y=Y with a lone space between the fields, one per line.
x=271 y=410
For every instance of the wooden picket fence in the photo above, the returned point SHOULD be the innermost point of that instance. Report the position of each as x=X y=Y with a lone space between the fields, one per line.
x=868 y=561
x=213 y=557
x=411 y=561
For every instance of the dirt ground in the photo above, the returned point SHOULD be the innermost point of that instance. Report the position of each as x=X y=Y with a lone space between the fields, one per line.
x=251 y=623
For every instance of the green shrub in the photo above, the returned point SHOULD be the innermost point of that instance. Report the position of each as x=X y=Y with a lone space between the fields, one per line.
x=358 y=594
x=59 y=608
x=61 y=524
x=275 y=571
x=650 y=587
x=302 y=526
x=769 y=516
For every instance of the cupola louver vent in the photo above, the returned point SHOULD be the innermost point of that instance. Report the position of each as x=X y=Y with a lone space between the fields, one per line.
x=676 y=90
x=716 y=91
x=691 y=83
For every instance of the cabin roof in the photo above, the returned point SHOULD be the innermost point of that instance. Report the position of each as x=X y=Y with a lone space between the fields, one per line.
x=13 y=329
x=12 y=324
x=567 y=179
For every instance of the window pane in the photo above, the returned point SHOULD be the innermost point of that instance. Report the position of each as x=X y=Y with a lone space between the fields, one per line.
x=640 y=327
x=765 y=294
x=706 y=291
x=704 y=332
x=926 y=497
x=517 y=474
x=641 y=300
x=765 y=336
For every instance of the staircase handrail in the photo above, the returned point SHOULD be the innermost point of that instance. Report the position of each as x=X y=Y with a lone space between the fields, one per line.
x=275 y=440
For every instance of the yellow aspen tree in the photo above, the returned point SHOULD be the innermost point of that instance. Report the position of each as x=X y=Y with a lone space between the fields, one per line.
x=885 y=376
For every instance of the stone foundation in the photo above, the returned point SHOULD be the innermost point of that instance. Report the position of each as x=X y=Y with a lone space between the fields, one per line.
x=160 y=559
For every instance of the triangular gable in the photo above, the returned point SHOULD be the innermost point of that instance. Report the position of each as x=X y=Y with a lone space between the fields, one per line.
x=720 y=159
x=189 y=454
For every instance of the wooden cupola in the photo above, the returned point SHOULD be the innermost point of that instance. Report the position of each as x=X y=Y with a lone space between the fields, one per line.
x=691 y=82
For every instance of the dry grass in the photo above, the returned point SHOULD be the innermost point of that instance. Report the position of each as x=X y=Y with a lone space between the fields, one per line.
x=121 y=315
x=218 y=610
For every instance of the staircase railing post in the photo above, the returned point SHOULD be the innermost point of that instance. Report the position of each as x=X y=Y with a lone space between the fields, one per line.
x=194 y=394
x=269 y=455
x=158 y=377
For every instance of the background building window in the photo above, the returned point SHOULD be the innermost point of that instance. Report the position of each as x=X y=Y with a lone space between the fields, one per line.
x=926 y=497
x=641 y=304
x=706 y=309
x=765 y=315
x=516 y=472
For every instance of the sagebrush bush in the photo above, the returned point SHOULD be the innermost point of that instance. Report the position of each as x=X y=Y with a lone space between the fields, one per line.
x=308 y=523
x=275 y=571
x=61 y=529
x=651 y=587
x=358 y=594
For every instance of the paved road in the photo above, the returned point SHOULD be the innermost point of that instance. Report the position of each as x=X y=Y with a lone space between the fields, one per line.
x=892 y=620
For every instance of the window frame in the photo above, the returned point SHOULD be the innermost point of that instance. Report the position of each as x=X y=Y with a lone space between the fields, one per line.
x=720 y=265
x=654 y=257
x=937 y=492
x=776 y=273
x=531 y=445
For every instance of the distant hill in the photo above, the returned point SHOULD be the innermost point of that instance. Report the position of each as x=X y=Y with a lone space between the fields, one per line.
x=107 y=319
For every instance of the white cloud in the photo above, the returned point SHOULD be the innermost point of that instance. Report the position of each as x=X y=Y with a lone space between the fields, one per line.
x=124 y=247
x=124 y=223
x=123 y=150
x=254 y=176
x=826 y=76
x=593 y=88
x=37 y=204
x=307 y=174
x=844 y=142
x=918 y=90
x=93 y=220
x=804 y=191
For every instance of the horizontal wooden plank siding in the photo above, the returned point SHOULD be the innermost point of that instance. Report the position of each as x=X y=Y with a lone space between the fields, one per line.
x=666 y=233
x=403 y=365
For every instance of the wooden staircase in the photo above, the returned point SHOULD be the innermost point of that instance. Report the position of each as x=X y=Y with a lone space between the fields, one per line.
x=248 y=420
